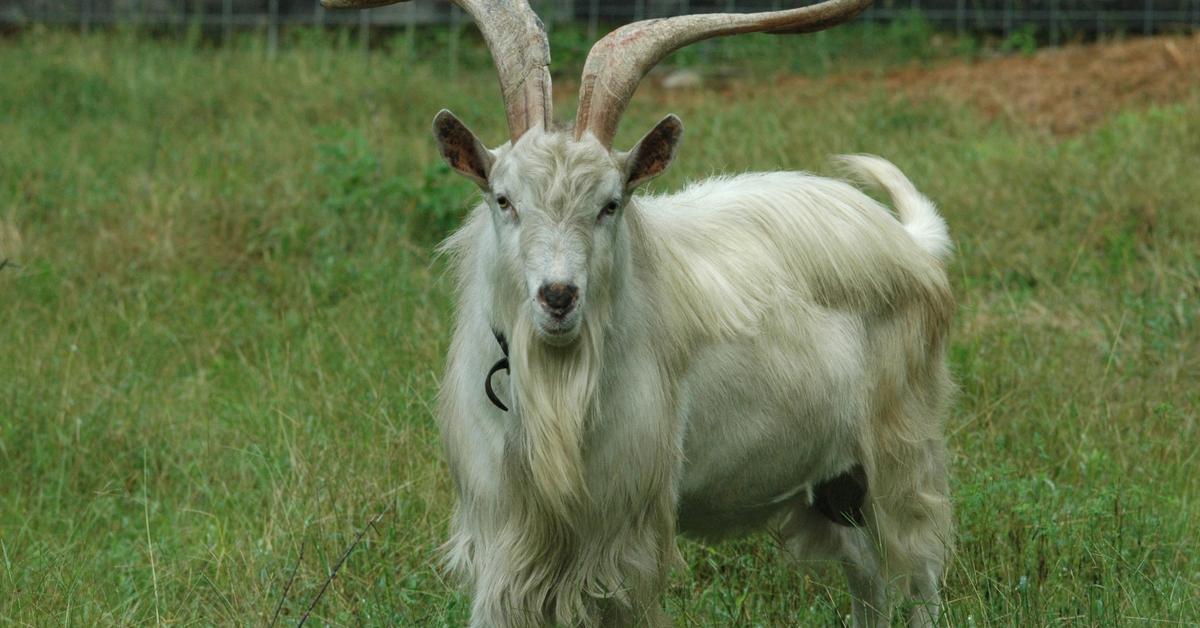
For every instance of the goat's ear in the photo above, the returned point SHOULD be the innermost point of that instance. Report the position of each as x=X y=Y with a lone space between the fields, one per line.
x=461 y=149
x=653 y=153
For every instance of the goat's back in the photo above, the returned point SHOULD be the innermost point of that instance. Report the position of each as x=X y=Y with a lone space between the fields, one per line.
x=723 y=251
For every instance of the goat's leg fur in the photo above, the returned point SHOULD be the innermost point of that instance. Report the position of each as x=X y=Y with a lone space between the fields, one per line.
x=869 y=603
x=617 y=616
x=931 y=529
x=905 y=538
x=809 y=536
x=918 y=526
x=923 y=589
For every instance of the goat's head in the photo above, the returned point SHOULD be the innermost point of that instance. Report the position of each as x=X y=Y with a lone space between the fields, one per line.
x=557 y=198
x=557 y=205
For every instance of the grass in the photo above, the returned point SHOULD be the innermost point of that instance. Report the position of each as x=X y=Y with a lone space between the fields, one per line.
x=222 y=328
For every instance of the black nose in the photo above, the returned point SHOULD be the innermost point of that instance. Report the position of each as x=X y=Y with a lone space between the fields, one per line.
x=558 y=298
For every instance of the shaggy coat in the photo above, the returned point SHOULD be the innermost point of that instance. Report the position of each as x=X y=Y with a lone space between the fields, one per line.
x=743 y=340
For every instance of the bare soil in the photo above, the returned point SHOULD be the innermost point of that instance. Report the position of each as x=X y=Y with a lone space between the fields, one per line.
x=1064 y=90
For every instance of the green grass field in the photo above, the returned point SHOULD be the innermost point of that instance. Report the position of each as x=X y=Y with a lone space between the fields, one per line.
x=222 y=329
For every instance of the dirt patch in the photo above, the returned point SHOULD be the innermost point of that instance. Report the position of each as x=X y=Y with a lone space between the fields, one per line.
x=1064 y=90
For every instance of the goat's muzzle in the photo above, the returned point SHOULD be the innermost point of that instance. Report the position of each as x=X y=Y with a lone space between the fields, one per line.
x=558 y=299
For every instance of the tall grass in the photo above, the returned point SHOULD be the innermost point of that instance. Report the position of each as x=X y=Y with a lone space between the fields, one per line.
x=221 y=331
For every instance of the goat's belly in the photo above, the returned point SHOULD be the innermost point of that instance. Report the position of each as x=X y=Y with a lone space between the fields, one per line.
x=764 y=419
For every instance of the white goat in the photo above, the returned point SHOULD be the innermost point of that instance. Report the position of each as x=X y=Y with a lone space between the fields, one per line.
x=756 y=351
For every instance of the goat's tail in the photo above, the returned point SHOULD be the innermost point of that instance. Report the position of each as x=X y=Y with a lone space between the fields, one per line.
x=918 y=214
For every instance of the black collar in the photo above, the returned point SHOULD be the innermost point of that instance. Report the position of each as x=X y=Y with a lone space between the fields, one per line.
x=501 y=364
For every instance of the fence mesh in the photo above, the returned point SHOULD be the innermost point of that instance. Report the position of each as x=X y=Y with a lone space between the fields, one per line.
x=1052 y=18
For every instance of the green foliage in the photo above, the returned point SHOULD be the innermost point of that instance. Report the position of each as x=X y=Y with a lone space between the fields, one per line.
x=224 y=329
x=63 y=93
x=1022 y=40
x=351 y=183
x=967 y=46
x=911 y=34
x=437 y=203
x=351 y=175
x=569 y=45
x=907 y=39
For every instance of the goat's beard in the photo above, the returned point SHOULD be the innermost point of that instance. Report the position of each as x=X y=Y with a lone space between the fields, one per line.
x=555 y=394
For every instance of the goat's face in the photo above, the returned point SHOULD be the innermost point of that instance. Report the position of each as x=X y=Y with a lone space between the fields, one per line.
x=557 y=206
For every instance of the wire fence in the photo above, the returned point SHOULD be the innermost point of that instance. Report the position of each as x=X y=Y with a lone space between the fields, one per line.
x=1052 y=19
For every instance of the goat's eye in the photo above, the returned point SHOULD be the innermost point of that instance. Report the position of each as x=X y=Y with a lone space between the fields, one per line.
x=609 y=208
x=502 y=201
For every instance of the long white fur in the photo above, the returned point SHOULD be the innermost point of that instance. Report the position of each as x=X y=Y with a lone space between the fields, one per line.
x=740 y=341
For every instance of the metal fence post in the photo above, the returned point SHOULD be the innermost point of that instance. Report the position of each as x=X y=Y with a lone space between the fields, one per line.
x=272 y=27
x=226 y=20
x=453 y=47
x=1148 y=18
x=960 y=17
x=364 y=29
x=1054 y=22
x=85 y=17
x=410 y=27
x=593 y=19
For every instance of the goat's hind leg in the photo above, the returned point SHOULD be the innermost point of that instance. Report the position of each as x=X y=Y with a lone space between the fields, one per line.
x=929 y=542
x=810 y=535
x=919 y=530
x=919 y=558
x=923 y=589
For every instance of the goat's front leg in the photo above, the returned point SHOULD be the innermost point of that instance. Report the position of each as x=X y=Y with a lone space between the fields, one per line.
x=652 y=615
x=642 y=603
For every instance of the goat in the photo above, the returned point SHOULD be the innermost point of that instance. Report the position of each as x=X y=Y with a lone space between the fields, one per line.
x=761 y=351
